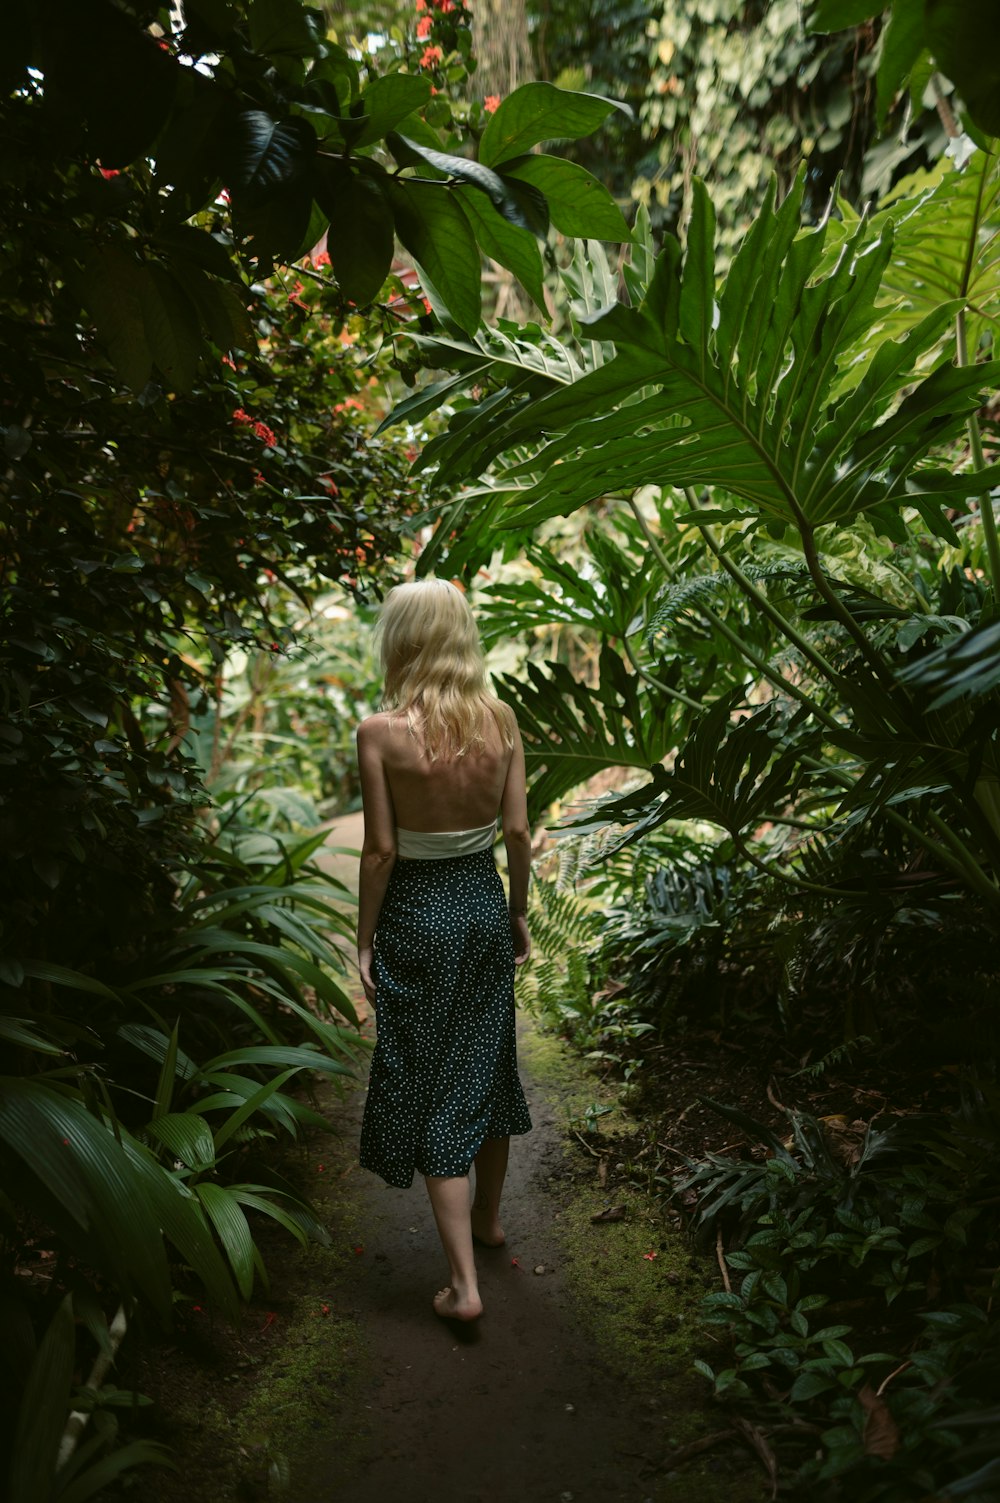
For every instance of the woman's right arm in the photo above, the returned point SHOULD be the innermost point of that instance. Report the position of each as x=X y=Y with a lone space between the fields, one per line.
x=517 y=840
x=378 y=852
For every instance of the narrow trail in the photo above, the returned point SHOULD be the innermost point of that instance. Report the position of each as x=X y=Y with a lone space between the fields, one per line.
x=519 y=1406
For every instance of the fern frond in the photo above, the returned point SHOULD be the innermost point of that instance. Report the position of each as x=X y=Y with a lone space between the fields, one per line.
x=674 y=601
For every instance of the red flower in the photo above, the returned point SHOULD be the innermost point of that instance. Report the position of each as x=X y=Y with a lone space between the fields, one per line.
x=323 y=259
x=110 y=172
x=491 y=103
x=424 y=27
x=432 y=56
x=266 y=434
x=239 y=416
x=649 y=1256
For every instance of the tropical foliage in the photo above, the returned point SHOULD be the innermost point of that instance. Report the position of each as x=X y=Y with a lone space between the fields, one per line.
x=790 y=582
x=200 y=215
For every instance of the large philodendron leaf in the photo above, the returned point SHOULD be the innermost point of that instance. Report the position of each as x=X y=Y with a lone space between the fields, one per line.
x=946 y=248
x=741 y=393
x=729 y=773
x=573 y=730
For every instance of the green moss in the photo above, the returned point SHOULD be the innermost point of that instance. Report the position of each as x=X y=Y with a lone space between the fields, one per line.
x=636 y=1284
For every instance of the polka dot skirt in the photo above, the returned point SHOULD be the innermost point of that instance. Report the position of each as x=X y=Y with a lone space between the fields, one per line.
x=444 y=1072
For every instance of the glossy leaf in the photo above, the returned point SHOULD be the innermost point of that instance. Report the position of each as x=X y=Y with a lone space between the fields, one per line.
x=578 y=203
x=505 y=243
x=187 y=1136
x=388 y=100
x=540 y=112
x=437 y=234
x=42 y=1412
x=506 y=202
x=266 y=155
x=233 y=1231
x=360 y=236
x=84 y=1167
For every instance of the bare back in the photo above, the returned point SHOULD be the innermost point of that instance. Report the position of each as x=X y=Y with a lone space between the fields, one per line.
x=447 y=793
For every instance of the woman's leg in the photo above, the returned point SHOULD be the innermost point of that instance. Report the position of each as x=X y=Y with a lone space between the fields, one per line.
x=450 y=1204
x=491 y=1169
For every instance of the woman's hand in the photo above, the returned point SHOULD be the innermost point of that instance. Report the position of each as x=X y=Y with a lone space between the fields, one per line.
x=366 y=961
x=521 y=938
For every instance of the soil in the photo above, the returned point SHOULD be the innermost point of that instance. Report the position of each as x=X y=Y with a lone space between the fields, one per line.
x=341 y=1382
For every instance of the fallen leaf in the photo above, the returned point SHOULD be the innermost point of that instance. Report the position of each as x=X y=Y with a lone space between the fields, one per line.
x=881 y=1433
x=610 y=1213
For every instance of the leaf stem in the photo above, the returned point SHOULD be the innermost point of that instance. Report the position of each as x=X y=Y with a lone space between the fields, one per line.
x=986 y=516
x=658 y=683
x=786 y=686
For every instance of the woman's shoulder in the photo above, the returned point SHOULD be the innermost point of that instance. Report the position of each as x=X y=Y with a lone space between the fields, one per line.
x=375 y=727
x=505 y=718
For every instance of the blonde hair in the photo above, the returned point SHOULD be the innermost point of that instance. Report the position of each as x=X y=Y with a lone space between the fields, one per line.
x=435 y=673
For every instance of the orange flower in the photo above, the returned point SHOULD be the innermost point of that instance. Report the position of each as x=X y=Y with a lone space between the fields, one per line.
x=432 y=56
x=491 y=103
x=424 y=27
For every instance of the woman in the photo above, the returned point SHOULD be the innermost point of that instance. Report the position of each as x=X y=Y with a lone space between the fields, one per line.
x=437 y=946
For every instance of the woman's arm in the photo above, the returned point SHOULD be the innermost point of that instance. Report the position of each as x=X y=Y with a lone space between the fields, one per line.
x=517 y=840
x=378 y=852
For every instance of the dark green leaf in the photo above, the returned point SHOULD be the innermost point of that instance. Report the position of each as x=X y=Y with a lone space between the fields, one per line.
x=360 y=237
x=233 y=1230
x=43 y=1411
x=508 y=202
x=837 y=15
x=388 y=100
x=578 y=204
x=266 y=155
x=902 y=43
x=82 y=1164
x=112 y=289
x=187 y=1136
x=957 y=35
x=278 y=26
x=171 y=329
x=436 y=233
x=514 y=248
x=540 y=112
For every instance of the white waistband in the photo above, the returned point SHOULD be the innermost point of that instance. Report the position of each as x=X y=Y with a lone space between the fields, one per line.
x=432 y=845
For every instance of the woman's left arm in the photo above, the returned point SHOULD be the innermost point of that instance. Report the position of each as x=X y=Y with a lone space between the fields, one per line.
x=378 y=853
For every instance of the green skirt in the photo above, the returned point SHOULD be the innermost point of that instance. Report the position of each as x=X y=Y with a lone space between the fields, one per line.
x=444 y=1072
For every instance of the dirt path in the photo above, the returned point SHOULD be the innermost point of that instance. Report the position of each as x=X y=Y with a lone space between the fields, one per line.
x=574 y=1387
x=518 y=1406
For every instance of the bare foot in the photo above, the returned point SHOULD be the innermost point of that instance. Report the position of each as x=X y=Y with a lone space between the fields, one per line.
x=489 y=1233
x=449 y=1306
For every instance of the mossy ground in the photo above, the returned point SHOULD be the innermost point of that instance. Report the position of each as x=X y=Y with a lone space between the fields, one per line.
x=638 y=1286
x=237 y=1404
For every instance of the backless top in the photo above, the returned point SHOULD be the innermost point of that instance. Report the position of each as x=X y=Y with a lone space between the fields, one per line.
x=432 y=845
